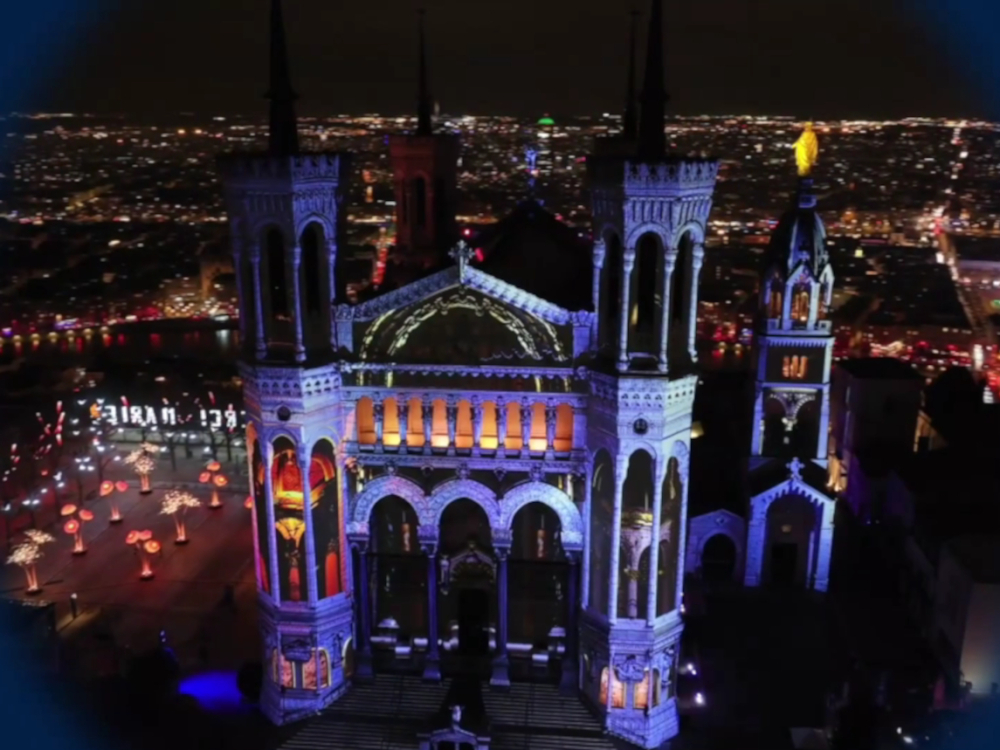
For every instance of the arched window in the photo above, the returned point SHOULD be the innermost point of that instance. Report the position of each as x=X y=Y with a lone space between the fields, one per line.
x=539 y=441
x=602 y=502
x=439 y=424
x=390 y=425
x=415 y=424
x=679 y=339
x=617 y=689
x=420 y=197
x=463 y=428
x=365 y=415
x=311 y=242
x=775 y=306
x=800 y=302
x=646 y=300
x=564 y=428
x=669 y=538
x=514 y=440
x=489 y=437
x=636 y=536
x=276 y=283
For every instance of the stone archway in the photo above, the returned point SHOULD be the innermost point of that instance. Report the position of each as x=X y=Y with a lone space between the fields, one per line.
x=718 y=559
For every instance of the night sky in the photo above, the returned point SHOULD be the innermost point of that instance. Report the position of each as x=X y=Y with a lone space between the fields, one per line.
x=808 y=58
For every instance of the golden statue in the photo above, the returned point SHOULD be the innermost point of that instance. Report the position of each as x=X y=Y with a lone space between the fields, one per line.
x=806 y=150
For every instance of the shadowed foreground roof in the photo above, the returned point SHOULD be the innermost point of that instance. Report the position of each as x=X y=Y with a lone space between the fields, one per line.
x=531 y=249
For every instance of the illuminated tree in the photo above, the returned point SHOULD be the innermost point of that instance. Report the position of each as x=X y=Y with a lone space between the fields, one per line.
x=74 y=526
x=111 y=490
x=143 y=465
x=145 y=547
x=27 y=554
x=176 y=504
x=213 y=475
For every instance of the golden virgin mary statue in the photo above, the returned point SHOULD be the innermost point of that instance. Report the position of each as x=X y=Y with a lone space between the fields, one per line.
x=806 y=150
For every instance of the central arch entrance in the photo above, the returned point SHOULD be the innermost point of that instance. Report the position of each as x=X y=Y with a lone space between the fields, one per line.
x=467 y=596
x=537 y=597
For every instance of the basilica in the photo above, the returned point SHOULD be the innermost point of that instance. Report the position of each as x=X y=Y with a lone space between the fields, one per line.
x=485 y=469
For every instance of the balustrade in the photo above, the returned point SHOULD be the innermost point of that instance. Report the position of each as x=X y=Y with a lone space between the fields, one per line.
x=512 y=427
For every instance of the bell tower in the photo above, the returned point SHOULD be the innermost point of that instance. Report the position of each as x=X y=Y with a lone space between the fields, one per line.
x=793 y=349
x=285 y=210
x=650 y=212
x=425 y=173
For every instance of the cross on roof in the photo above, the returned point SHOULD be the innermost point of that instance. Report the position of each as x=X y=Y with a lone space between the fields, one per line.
x=462 y=255
x=795 y=468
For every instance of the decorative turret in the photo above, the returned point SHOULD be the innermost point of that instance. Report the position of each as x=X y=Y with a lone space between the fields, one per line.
x=285 y=211
x=630 y=122
x=425 y=103
x=650 y=215
x=283 y=138
x=425 y=172
x=794 y=344
x=653 y=100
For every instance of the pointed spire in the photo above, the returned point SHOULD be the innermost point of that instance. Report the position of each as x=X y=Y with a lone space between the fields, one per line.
x=653 y=100
x=425 y=104
x=284 y=134
x=630 y=123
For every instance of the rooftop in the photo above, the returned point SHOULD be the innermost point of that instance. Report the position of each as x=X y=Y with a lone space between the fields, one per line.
x=879 y=368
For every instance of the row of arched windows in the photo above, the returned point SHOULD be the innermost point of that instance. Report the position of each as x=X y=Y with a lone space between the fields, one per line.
x=794 y=367
x=645 y=307
x=404 y=421
x=277 y=307
x=640 y=533
x=800 y=301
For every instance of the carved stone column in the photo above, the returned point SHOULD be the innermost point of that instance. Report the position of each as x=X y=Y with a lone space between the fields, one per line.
x=501 y=424
x=378 y=414
x=669 y=262
x=452 y=413
x=570 y=681
x=599 y=253
x=403 y=412
x=432 y=661
x=296 y=258
x=757 y=448
x=272 y=542
x=628 y=264
x=525 y=427
x=500 y=677
x=550 y=427
x=654 y=548
x=814 y=292
x=310 y=537
x=616 y=543
x=364 y=667
x=331 y=266
x=427 y=412
x=258 y=303
x=697 y=259
x=823 y=446
x=822 y=578
x=477 y=424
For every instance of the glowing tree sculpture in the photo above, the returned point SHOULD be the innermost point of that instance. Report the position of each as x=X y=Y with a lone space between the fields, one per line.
x=145 y=547
x=212 y=475
x=176 y=503
x=108 y=489
x=143 y=465
x=27 y=554
x=74 y=526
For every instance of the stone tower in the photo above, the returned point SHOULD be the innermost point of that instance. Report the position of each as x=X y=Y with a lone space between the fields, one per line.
x=650 y=212
x=794 y=339
x=425 y=173
x=285 y=211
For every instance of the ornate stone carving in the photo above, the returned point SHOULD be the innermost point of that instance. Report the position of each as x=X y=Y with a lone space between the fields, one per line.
x=629 y=668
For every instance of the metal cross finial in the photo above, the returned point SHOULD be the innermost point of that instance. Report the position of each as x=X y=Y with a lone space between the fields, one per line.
x=795 y=468
x=462 y=255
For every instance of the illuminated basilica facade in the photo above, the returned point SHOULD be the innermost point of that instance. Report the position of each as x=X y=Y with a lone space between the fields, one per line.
x=468 y=470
